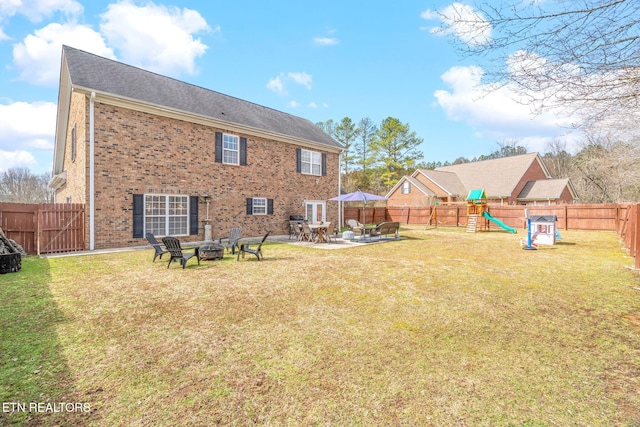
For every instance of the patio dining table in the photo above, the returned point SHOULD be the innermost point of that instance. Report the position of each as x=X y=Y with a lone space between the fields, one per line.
x=320 y=231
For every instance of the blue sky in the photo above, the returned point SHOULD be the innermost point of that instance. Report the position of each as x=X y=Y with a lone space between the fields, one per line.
x=318 y=60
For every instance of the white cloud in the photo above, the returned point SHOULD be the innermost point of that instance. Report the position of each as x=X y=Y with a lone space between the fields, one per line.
x=497 y=112
x=326 y=41
x=275 y=85
x=29 y=126
x=294 y=104
x=37 y=57
x=462 y=21
x=155 y=37
x=303 y=79
x=16 y=159
x=279 y=83
x=37 y=10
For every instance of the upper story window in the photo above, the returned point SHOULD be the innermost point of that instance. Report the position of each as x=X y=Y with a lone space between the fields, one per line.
x=406 y=187
x=311 y=162
x=230 y=149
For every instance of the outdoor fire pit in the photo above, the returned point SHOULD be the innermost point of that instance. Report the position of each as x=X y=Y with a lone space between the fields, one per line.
x=211 y=251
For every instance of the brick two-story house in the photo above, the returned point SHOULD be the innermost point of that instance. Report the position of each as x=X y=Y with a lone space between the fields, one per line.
x=148 y=153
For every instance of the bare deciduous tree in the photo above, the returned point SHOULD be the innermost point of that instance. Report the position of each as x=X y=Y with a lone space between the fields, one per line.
x=581 y=55
x=19 y=185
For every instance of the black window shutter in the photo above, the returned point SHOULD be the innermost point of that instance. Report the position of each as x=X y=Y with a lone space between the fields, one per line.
x=138 y=215
x=298 y=160
x=243 y=151
x=218 y=147
x=249 y=206
x=324 y=164
x=193 y=215
x=269 y=206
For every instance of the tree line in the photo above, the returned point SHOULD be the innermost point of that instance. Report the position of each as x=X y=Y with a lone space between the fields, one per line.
x=19 y=185
x=605 y=168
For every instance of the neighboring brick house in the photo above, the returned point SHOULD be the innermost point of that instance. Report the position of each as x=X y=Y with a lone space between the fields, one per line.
x=144 y=152
x=509 y=180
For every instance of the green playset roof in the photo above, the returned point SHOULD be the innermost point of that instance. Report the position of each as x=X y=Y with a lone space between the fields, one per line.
x=478 y=194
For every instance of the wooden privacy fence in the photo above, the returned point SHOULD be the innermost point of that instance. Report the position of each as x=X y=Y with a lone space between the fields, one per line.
x=44 y=228
x=624 y=219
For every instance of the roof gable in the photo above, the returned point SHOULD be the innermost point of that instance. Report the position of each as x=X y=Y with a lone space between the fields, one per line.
x=447 y=181
x=417 y=184
x=548 y=189
x=94 y=73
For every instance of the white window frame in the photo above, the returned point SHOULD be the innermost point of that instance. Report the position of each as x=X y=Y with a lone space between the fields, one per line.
x=259 y=206
x=406 y=187
x=230 y=154
x=166 y=214
x=311 y=162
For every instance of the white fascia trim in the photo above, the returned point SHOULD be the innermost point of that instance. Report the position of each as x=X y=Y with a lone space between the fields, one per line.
x=58 y=180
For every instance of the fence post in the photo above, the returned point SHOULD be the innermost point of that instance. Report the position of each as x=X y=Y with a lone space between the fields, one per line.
x=636 y=244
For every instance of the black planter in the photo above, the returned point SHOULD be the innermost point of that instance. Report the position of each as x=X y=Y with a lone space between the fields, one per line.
x=10 y=263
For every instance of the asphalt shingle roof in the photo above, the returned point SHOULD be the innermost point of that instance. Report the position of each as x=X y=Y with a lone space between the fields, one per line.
x=446 y=180
x=498 y=177
x=543 y=190
x=100 y=74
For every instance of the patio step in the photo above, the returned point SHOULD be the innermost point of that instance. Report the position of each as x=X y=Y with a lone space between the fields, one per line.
x=472 y=223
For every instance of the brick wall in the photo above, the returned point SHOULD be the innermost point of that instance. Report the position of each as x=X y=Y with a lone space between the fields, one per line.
x=534 y=173
x=141 y=153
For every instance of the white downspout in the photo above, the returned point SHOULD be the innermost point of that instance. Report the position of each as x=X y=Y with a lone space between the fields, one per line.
x=92 y=170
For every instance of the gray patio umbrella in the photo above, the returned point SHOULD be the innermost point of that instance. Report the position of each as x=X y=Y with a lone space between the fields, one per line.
x=358 y=196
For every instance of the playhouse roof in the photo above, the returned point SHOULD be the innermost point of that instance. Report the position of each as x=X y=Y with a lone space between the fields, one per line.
x=543 y=218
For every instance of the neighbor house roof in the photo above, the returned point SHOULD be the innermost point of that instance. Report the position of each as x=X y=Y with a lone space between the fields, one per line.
x=131 y=86
x=498 y=177
x=545 y=190
x=447 y=181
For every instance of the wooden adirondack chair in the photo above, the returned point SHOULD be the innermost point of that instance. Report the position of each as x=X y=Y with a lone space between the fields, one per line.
x=235 y=234
x=156 y=245
x=177 y=253
x=246 y=248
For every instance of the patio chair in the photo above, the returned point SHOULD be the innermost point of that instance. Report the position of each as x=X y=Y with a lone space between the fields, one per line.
x=331 y=232
x=235 y=233
x=356 y=227
x=177 y=253
x=156 y=245
x=306 y=234
x=246 y=248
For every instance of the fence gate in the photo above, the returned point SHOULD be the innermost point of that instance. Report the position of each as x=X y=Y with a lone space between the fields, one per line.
x=44 y=228
x=19 y=223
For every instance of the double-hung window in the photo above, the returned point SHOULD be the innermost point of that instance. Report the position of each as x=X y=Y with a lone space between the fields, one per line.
x=230 y=149
x=166 y=215
x=259 y=206
x=311 y=162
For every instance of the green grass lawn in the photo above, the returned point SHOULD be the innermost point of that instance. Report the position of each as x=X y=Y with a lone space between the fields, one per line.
x=441 y=328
